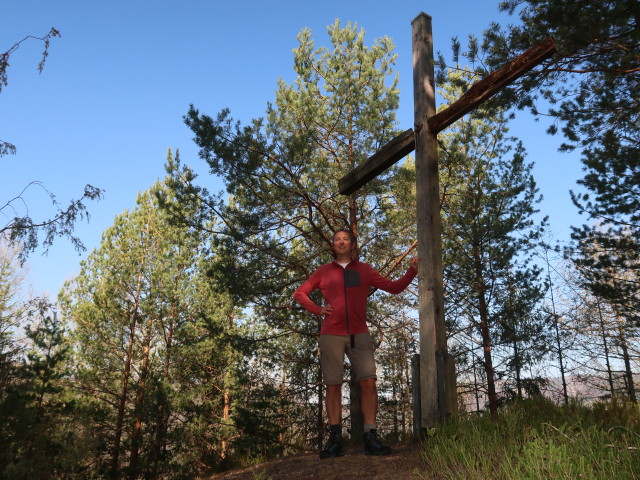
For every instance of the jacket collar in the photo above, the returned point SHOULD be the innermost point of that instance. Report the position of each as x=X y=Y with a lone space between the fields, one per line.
x=351 y=263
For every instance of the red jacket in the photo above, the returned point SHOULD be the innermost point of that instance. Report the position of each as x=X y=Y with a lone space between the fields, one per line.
x=346 y=290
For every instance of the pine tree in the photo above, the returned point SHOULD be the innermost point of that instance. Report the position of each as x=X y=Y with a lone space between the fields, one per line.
x=152 y=345
x=281 y=175
x=12 y=279
x=43 y=437
x=605 y=281
x=592 y=88
x=489 y=198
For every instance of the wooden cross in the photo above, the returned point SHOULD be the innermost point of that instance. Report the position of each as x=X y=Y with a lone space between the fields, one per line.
x=437 y=374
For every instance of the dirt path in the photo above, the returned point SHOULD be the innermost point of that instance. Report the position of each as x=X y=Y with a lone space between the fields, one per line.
x=405 y=463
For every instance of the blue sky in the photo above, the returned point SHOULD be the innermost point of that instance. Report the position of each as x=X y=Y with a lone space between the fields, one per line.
x=110 y=100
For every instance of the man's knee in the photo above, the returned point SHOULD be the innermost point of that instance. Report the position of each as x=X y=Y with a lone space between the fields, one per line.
x=368 y=384
x=334 y=388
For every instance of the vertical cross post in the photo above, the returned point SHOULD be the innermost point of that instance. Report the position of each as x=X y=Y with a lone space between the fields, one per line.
x=431 y=292
x=437 y=389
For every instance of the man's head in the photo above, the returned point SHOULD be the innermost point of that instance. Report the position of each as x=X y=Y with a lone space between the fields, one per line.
x=344 y=242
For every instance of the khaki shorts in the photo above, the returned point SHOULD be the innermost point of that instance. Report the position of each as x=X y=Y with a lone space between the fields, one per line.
x=332 y=351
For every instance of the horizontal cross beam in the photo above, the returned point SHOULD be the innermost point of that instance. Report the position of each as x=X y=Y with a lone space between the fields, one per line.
x=404 y=143
x=491 y=84
x=398 y=148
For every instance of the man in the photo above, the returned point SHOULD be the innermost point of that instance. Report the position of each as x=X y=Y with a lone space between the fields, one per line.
x=345 y=285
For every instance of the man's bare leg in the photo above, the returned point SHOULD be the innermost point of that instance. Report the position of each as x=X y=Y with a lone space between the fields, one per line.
x=333 y=404
x=369 y=401
x=369 y=405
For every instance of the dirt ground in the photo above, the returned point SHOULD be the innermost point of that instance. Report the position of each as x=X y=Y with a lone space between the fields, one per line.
x=405 y=463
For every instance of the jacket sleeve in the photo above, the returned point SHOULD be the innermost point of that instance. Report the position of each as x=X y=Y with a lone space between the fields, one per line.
x=397 y=286
x=302 y=294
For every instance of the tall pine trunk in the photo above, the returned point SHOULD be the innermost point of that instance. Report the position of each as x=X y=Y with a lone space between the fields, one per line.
x=557 y=332
x=631 y=390
x=139 y=405
x=565 y=395
x=162 y=414
x=485 y=333
x=355 y=397
x=516 y=356
x=355 y=400
x=394 y=398
x=126 y=376
x=319 y=417
x=612 y=391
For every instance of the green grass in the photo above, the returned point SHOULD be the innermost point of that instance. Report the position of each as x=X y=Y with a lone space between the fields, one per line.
x=536 y=439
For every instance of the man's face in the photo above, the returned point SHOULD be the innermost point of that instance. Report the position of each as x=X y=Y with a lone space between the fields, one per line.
x=342 y=243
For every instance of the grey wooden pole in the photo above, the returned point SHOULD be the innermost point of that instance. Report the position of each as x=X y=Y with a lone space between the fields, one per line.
x=431 y=302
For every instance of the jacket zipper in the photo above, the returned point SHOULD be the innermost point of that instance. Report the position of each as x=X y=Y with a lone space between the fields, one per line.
x=346 y=307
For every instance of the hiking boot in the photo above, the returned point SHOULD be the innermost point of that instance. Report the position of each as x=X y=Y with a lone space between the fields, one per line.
x=333 y=447
x=372 y=445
